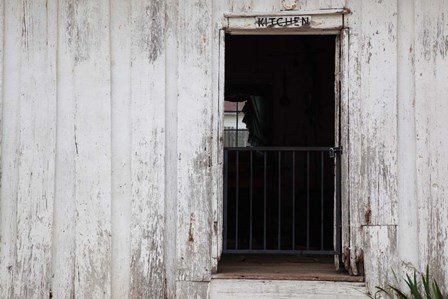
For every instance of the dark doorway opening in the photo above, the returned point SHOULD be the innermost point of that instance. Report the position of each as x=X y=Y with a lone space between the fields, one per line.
x=279 y=172
x=281 y=166
x=295 y=76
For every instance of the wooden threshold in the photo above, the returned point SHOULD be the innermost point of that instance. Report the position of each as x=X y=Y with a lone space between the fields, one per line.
x=285 y=289
x=281 y=267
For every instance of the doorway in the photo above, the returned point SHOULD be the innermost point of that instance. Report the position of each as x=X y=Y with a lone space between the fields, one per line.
x=281 y=182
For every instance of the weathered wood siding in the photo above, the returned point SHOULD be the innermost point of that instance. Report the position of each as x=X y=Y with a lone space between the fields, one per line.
x=431 y=136
x=28 y=147
x=275 y=5
x=397 y=135
x=285 y=289
x=121 y=138
x=111 y=123
x=372 y=139
x=82 y=209
x=194 y=141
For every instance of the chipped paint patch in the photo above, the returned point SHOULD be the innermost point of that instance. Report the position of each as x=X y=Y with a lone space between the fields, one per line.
x=149 y=29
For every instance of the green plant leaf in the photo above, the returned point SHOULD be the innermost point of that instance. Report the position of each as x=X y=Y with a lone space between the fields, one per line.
x=413 y=286
x=426 y=284
x=381 y=290
x=431 y=291
x=400 y=293
x=437 y=292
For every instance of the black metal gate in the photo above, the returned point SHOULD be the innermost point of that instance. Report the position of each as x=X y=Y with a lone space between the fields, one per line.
x=282 y=200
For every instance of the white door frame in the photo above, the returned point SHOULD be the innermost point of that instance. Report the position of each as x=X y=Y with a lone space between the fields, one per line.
x=324 y=22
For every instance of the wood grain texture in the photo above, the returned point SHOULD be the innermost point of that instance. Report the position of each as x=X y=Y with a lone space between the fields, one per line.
x=406 y=139
x=28 y=172
x=111 y=170
x=354 y=149
x=373 y=97
x=285 y=267
x=345 y=143
x=194 y=208
x=373 y=116
x=92 y=133
x=10 y=146
x=10 y=141
x=276 y=5
x=63 y=263
x=2 y=31
x=431 y=108
x=148 y=149
x=381 y=256
x=192 y=289
x=171 y=148
x=240 y=288
x=217 y=129
x=308 y=5
x=327 y=4
x=240 y=6
x=37 y=109
x=121 y=151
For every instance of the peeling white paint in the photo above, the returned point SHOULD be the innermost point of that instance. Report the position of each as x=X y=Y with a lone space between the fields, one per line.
x=111 y=136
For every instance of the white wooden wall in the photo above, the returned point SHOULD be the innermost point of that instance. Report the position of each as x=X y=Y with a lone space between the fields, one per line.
x=397 y=186
x=110 y=138
x=431 y=135
x=371 y=148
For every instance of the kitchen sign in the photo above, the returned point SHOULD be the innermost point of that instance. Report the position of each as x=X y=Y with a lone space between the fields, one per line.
x=283 y=22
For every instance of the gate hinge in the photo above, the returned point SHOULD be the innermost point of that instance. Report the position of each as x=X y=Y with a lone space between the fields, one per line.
x=334 y=151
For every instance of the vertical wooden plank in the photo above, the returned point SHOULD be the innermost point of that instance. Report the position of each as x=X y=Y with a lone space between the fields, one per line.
x=2 y=27
x=34 y=114
x=218 y=148
x=148 y=149
x=37 y=146
x=381 y=256
x=218 y=71
x=308 y=5
x=192 y=289
x=120 y=22
x=353 y=152
x=266 y=6
x=337 y=140
x=439 y=184
x=93 y=146
x=378 y=136
x=338 y=3
x=171 y=99
x=373 y=115
x=218 y=130
x=406 y=143
x=240 y=5
x=331 y=4
x=10 y=145
x=64 y=234
x=195 y=221
x=424 y=87
x=325 y=4
x=344 y=142
x=431 y=108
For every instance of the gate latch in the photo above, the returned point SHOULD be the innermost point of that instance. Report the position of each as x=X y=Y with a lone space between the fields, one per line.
x=335 y=150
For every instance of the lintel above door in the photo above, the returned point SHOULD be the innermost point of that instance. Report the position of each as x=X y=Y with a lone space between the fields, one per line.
x=328 y=21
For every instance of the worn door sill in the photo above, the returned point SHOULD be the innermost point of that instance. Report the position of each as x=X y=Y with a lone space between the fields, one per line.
x=285 y=289
x=273 y=267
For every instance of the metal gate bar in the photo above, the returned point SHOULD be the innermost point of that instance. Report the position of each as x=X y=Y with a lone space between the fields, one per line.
x=286 y=239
